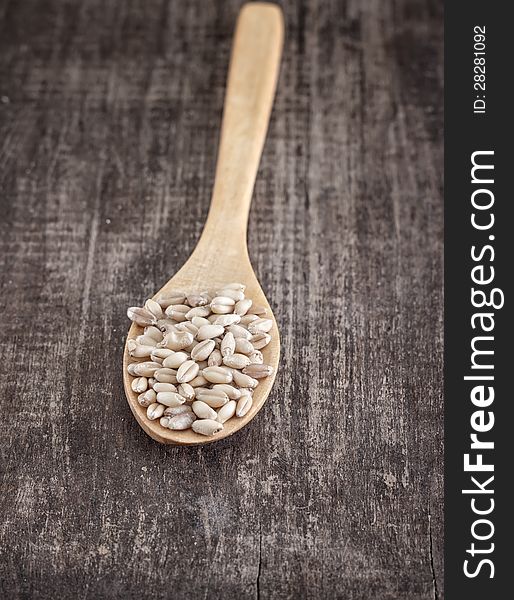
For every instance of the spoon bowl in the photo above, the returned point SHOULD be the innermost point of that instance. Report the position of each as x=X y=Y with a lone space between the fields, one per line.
x=221 y=256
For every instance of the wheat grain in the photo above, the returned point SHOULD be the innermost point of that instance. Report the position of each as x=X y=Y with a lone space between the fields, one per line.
x=227 y=411
x=203 y=410
x=217 y=375
x=204 y=351
x=155 y=411
x=244 y=404
x=187 y=371
x=207 y=426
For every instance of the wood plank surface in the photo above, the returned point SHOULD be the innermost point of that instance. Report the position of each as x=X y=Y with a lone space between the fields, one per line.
x=109 y=121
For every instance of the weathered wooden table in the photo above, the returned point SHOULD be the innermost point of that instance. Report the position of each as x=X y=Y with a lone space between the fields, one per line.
x=109 y=124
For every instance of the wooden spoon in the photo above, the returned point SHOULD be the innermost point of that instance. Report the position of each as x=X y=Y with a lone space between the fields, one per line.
x=221 y=255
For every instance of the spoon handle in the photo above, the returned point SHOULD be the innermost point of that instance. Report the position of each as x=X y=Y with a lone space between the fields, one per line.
x=252 y=79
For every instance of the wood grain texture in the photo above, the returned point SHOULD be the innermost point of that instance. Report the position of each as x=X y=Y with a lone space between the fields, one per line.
x=110 y=114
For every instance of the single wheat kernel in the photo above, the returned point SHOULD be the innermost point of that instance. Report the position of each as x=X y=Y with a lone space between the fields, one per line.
x=155 y=411
x=202 y=350
x=212 y=397
x=232 y=392
x=247 y=319
x=217 y=375
x=174 y=360
x=215 y=359
x=177 y=340
x=160 y=353
x=198 y=381
x=228 y=344
x=244 y=381
x=207 y=426
x=187 y=371
x=166 y=376
x=146 y=399
x=236 y=361
x=209 y=331
x=154 y=308
x=260 y=326
x=182 y=421
x=239 y=331
x=139 y=385
x=141 y=316
x=203 y=410
x=163 y=387
x=244 y=404
x=226 y=320
x=258 y=371
x=200 y=322
x=227 y=411
x=170 y=398
x=260 y=340
x=145 y=340
x=187 y=326
x=141 y=351
x=243 y=306
x=173 y=411
x=145 y=369
x=195 y=300
x=153 y=332
x=187 y=390
x=165 y=300
x=199 y=311
x=236 y=295
x=243 y=346
x=240 y=287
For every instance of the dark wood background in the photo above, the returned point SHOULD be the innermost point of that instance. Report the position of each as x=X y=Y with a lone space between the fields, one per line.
x=110 y=112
